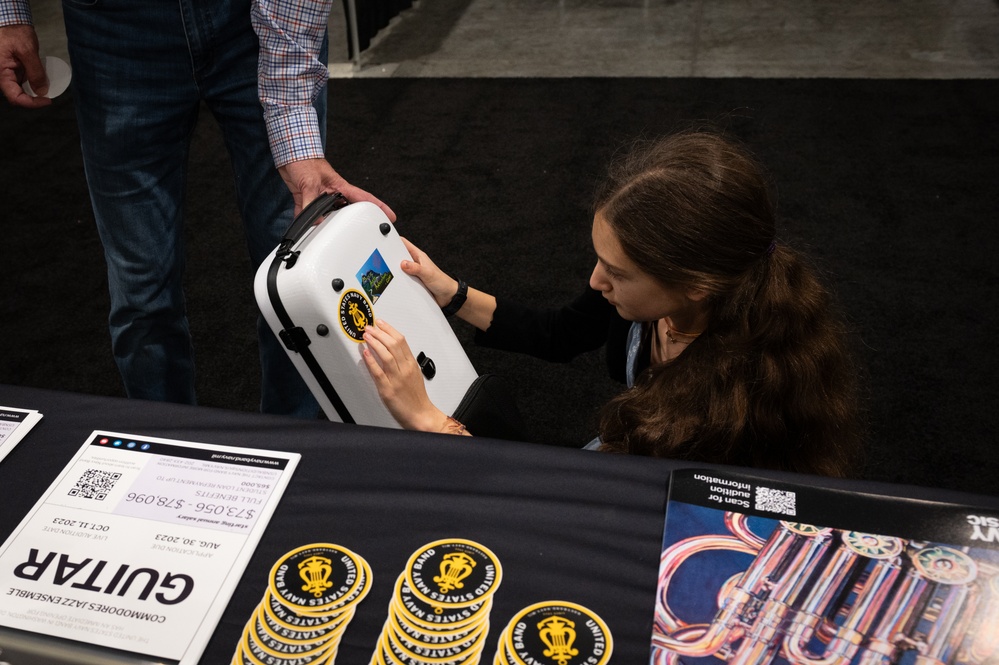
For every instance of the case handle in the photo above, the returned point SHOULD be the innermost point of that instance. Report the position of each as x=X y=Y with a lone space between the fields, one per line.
x=313 y=213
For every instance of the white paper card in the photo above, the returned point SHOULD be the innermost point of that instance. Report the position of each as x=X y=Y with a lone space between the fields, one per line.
x=139 y=543
x=14 y=424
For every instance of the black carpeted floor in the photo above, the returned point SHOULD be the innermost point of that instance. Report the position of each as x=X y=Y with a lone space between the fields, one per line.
x=891 y=185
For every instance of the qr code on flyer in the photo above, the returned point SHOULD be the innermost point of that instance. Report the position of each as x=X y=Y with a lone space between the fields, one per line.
x=95 y=484
x=775 y=501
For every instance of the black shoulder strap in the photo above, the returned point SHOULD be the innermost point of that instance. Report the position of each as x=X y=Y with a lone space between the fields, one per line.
x=294 y=337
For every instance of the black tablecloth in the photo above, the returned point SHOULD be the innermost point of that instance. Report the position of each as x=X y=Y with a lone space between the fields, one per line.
x=565 y=524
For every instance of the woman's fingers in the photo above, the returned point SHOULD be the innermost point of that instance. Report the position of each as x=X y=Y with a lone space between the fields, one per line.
x=441 y=286
x=414 y=251
x=392 y=351
x=391 y=339
x=376 y=356
x=415 y=267
x=398 y=378
x=384 y=326
x=389 y=353
x=382 y=356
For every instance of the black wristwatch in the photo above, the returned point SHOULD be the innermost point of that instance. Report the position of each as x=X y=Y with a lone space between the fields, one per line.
x=457 y=301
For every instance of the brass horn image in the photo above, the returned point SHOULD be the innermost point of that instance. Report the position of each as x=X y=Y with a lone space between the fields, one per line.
x=821 y=596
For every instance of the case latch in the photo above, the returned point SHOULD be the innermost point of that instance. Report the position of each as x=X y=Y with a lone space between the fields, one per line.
x=295 y=338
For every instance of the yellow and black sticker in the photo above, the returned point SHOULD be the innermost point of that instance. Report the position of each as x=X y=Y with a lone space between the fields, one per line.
x=281 y=615
x=285 y=649
x=402 y=648
x=253 y=653
x=311 y=596
x=397 y=654
x=503 y=656
x=433 y=638
x=316 y=578
x=356 y=314
x=425 y=616
x=557 y=632
x=270 y=629
x=453 y=573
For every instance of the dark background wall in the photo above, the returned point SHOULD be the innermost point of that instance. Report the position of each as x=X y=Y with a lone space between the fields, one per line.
x=889 y=185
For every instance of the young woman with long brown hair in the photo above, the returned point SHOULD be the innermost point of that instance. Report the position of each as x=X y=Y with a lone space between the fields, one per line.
x=727 y=340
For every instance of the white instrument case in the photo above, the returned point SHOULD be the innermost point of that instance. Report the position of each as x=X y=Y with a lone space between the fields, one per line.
x=335 y=271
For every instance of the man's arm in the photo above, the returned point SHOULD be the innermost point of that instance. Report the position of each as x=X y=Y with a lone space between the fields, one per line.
x=19 y=56
x=290 y=74
x=290 y=77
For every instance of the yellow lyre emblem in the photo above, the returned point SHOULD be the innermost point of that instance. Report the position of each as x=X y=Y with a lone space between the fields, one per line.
x=454 y=568
x=558 y=634
x=360 y=320
x=315 y=572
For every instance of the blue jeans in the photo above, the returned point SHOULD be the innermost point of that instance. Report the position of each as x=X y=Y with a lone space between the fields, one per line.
x=141 y=71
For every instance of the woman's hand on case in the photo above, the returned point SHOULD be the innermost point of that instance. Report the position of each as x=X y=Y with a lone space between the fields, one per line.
x=398 y=378
x=441 y=286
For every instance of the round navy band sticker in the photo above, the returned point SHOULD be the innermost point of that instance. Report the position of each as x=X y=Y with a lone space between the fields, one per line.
x=316 y=577
x=278 y=648
x=454 y=573
x=394 y=653
x=348 y=604
x=433 y=637
x=418 y=649
x=288 y=618
x=253 y=653
x=274 y=629
x=356 y=314
x=557 y=632
x=428 y=616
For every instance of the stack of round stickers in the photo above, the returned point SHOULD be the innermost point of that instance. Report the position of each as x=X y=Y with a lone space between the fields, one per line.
x=312 y=593
x=439 y=612
x=554 y=632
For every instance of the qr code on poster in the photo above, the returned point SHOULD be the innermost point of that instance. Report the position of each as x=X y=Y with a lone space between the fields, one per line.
x=95 y=484
x=775 y=501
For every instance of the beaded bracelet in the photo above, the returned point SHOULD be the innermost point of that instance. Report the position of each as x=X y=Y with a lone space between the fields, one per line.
x=452 y=426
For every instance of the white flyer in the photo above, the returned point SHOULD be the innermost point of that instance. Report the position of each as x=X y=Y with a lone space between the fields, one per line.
x=14 y=424
x=140 y=542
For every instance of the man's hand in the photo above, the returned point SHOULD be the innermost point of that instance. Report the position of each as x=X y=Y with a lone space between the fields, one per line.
x=308 y=178
x=19 y=61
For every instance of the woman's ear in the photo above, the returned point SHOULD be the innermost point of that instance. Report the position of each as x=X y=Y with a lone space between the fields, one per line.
x=696 y=294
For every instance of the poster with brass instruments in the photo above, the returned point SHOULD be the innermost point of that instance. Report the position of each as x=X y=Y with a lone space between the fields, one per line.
x=755 y=571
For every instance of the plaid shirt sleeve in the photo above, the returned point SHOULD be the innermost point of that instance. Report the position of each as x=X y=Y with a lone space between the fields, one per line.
x=15 y=12
x=290 y=74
